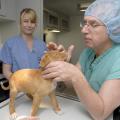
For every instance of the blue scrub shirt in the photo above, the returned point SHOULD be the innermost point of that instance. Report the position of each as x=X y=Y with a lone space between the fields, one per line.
x=16 y=53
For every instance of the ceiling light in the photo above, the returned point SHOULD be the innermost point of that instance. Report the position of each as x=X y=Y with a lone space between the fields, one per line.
x=83 y=8
x=54 y=30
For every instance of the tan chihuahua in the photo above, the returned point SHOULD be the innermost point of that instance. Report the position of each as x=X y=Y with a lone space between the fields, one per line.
x=31 y=82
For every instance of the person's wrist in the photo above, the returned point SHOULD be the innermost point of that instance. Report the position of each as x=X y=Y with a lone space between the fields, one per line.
x=77 y=78
x=74 y=79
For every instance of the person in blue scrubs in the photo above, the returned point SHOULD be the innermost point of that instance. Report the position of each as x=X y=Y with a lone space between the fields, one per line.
x=23 y=50
x=96 y=77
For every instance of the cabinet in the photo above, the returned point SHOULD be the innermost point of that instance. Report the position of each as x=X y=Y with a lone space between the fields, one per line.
x=64 y=23
x=7 y=10
x=55 y=21
x=50 y=20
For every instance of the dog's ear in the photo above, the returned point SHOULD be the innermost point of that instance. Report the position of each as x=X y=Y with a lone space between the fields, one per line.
x=44 y=60
x=54 y=55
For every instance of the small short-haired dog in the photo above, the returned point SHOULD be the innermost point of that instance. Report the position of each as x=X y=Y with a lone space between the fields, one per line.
x=31 y=82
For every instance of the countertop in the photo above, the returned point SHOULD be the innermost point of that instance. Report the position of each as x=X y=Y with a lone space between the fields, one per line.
x=72 y=110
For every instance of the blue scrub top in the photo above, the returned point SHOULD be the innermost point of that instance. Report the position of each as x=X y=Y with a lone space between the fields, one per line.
x=16 y=53
x=105 y=67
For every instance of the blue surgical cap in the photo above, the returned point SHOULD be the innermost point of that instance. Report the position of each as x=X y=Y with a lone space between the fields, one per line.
x=108 y=12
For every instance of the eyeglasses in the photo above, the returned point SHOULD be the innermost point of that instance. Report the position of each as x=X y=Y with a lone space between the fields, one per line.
x=91 y=25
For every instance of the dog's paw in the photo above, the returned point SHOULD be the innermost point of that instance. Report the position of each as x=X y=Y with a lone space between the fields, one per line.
x=22 y=118
x=13 y=116
x=28 y=118
x=59 y=112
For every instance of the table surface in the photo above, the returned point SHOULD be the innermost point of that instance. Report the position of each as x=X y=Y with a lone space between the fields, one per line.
x=71 y=110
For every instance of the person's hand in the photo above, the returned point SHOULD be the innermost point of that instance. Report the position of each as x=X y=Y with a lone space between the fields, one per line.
x=51 y=46
x=69 y=52
x=61 y=71
x=54 y=46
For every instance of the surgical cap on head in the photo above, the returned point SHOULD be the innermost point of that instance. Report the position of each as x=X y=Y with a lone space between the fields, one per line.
x=108 y=12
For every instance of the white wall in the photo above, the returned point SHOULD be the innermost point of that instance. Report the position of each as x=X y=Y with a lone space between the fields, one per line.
x=73 y=37
x=50 y=36
x=7 y=29
x=67 y=38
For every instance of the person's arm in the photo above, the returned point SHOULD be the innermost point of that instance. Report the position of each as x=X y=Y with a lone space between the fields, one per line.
x=7 y=70
x=69 y=83
x=99 y=105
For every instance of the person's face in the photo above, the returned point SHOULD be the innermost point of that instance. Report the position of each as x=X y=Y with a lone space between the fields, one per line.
x=95 y=33
x=27 y=25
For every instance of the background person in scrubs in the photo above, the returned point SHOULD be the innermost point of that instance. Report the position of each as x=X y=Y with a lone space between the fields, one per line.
x=96 y=78
x=23 y=50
